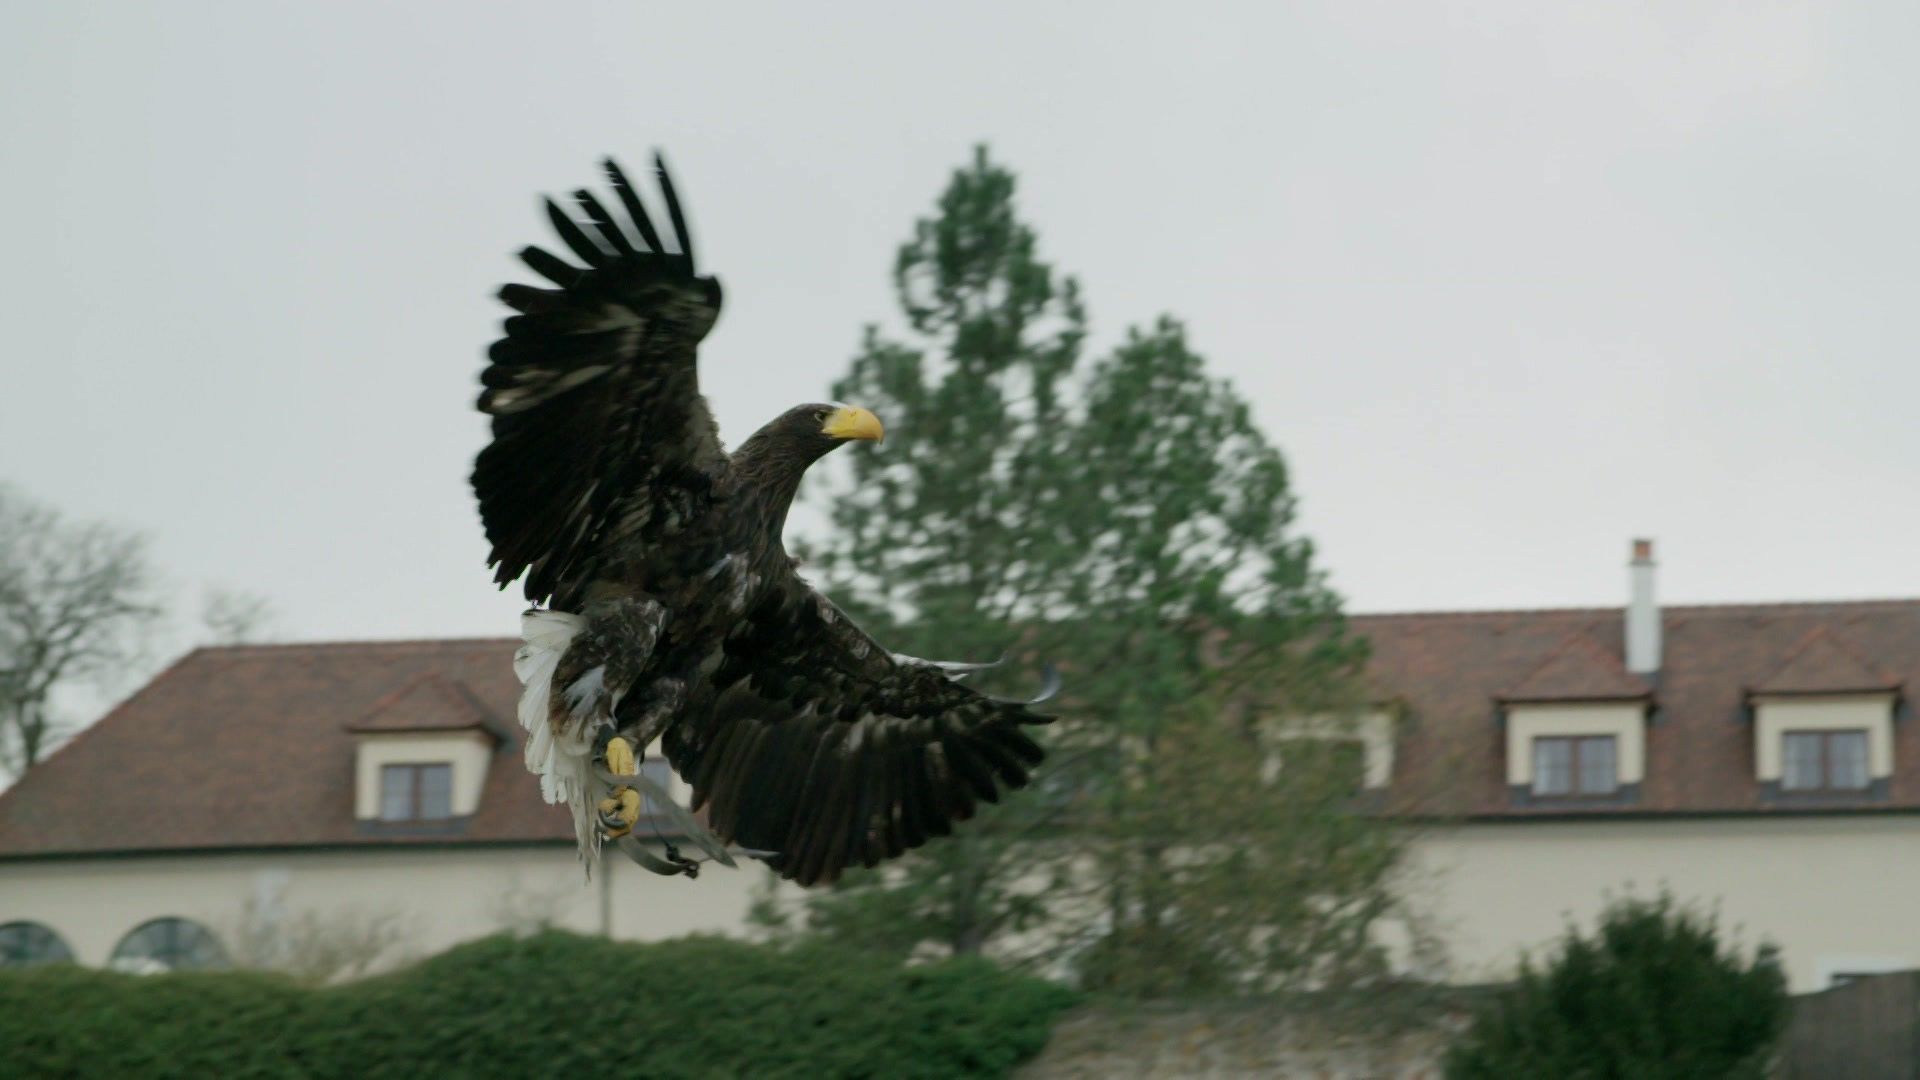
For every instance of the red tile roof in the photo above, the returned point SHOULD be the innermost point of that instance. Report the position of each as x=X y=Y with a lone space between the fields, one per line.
x=1581 y=669
x=253 y=746
x=1823 y=664
x=431 y=702
x=249 y=746
x=1450 y=667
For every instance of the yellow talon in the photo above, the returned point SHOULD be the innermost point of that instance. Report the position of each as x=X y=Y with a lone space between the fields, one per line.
x=619 y=811
x=620 y=757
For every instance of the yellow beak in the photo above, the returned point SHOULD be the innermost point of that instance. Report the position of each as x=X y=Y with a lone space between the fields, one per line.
x=853 y=422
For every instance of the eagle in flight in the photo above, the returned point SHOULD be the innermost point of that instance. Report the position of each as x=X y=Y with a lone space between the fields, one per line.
x=666 y=607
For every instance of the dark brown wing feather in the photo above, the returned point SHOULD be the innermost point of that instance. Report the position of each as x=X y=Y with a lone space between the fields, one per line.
x=600 y=436
x=829 y=752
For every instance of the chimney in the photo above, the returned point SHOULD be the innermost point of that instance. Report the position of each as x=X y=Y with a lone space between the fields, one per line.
x=1643 y=614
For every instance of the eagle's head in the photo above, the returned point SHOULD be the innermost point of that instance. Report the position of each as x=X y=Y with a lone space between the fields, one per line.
x=815 y=429
x=771 y=463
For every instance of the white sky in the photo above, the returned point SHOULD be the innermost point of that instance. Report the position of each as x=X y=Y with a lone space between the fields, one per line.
x=1509 y=285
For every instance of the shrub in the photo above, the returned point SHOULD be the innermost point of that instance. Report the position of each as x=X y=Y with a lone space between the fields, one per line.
x=1653 y=994
x=69 y=1021
x=550 y=1004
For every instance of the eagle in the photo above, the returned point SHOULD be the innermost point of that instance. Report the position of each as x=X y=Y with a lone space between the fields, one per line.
x=665 y=607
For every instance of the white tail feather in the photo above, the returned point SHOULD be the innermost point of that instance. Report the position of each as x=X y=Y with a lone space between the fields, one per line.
x=562 y=758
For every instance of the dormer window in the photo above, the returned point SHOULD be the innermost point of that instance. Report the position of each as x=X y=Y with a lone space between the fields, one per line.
x=1824 y=761
x=416 y=792
x=1568 y=766
x=1824 y=748
x=421 y=758
x=1576 y=729
x=1823 y=723
x=1354 y=752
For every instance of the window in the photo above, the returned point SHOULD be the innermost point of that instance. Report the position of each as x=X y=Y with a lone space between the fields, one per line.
x=416 y=792
x=29 y=944
x=168 y=945
x=1823 y=761
x=1567 y=766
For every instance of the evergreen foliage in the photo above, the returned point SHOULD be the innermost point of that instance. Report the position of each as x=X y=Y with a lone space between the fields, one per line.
x=1126 y=519
x=1653 y=994
x=553 y=1004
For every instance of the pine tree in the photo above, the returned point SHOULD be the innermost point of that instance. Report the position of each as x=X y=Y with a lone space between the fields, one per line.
x=1127 y=520
x=933 y=542
x=1207 y=637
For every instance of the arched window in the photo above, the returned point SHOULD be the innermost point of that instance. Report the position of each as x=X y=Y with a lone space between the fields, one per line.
x=168 y=945
x=26 y=944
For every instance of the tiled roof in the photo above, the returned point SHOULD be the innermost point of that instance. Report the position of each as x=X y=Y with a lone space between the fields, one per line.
x=253 y=746
x=249 y=746
x=1823 y=664
x=431 y=702
x=1452 y=667
x=1581 y=669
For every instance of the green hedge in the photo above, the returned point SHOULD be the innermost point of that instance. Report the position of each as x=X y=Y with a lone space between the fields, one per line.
x=552 y=1004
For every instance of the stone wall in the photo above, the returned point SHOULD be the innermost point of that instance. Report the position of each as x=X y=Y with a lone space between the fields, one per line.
x=1239 y=1041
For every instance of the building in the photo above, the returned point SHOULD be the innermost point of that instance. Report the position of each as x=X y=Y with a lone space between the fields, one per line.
x=253 y=794
x=1759 y=757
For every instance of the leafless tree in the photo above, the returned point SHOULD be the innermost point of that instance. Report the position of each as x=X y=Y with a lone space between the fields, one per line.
x=77 y=604
x=235 y=617
x=318 y=946
x=521 y=908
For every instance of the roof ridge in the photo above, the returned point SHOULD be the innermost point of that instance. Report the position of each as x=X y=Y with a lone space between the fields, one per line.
x=1792 y=605
x=1408 y=613
x=1475 y=613
x=361 y=643
x=1728 y=607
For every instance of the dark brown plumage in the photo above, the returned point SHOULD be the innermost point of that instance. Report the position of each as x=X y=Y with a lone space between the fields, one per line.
x=674 y=610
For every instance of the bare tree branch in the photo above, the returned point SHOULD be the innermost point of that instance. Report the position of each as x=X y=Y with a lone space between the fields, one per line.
x=77 y=604
x=236 y=617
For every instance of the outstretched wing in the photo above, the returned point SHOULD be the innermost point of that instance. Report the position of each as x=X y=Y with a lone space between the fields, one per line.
x=830 y=752
x=601 y=439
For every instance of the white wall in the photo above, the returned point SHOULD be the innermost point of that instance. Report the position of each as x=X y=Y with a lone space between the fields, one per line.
x=1835 y=893
x=445 y=896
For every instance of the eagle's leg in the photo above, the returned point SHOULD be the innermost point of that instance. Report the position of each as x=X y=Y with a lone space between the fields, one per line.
x=621 y=808
x=643 y=716
x=616 y=647
x=654 y=708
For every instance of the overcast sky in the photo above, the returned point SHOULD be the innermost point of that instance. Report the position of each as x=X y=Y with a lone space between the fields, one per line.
x=1509 y=284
